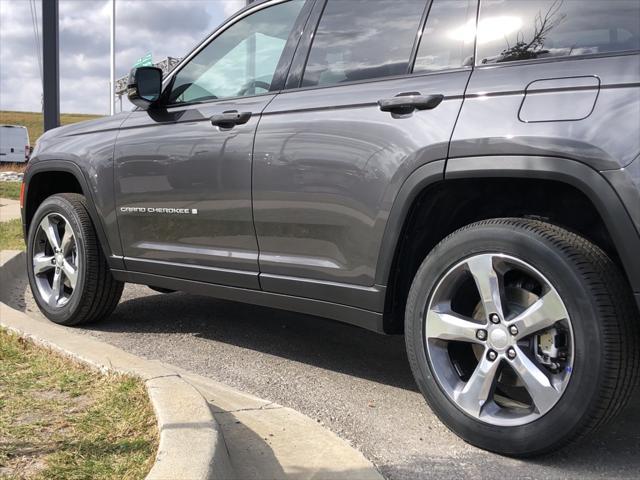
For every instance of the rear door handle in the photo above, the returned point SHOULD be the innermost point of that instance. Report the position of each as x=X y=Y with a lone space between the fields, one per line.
x=407 y=102
x=230 y=118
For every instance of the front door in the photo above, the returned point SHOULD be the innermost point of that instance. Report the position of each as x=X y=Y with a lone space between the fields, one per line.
x=329 y=160
x=183 y=170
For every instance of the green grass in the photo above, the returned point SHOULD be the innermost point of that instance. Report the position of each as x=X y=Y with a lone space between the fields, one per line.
x=10 y=190
x=11 y=237
x=33 y=121
x=60 y=420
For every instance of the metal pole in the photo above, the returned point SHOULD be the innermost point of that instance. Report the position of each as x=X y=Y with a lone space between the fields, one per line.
x=50 y=65
x=112 y=78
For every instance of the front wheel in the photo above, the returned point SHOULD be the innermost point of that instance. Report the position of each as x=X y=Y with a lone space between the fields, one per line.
x=521 y=335
x=69 y=276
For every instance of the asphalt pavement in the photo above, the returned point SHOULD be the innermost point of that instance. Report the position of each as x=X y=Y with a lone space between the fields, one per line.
x=354 y=382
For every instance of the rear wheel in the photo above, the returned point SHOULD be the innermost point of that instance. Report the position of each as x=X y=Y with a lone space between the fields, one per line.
x=522 y=336
x=69 y=276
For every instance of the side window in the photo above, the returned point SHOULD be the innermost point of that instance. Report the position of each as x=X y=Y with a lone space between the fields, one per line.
x=362 y=39
x=527 y=29
x=241 y=61
x=448 y=36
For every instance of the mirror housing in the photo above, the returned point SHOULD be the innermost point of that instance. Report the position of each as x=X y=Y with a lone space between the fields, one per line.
x=144 y=86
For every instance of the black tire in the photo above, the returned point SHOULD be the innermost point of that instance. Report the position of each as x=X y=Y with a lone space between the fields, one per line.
x=605 y=333
x=96 y=293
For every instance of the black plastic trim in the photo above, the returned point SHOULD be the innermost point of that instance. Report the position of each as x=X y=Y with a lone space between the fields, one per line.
x=346 y=314
x=369 y=298
x=421 y=178
x=299 y=62
x=73 y=169
x=284 y=64
x=589 y=181
x=225 y=276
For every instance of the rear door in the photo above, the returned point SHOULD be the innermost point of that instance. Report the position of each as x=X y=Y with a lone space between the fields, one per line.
x=328 y=161
x=183 y=175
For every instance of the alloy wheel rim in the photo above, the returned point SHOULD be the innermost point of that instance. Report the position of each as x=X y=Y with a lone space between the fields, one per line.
x=55 y=261
x=499 y=340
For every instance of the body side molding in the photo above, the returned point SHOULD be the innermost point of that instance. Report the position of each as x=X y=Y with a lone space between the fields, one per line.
x=343 y=313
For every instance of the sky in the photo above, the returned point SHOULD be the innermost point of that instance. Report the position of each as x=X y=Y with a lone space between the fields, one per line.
x=162 y=27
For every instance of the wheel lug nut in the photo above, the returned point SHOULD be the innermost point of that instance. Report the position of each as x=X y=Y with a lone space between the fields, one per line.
x=491 y=355
x=494 y=318
x=481 y=334
x=511 y=353
x=513 y=330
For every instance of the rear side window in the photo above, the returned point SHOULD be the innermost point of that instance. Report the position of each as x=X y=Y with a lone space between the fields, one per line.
x=527 y=29
x=363 y=39
x=448 y=36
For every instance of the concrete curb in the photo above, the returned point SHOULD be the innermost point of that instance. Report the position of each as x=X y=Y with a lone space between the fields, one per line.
x=191 y=443
x=207 y=429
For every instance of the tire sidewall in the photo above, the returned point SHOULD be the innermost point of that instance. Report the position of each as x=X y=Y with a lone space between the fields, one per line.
x=581 y=392
x=58 y=204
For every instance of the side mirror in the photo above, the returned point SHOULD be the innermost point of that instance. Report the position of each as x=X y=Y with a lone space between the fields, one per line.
x=144 y=86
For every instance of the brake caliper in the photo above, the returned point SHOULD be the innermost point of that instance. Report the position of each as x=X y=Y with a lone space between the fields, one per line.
x=550 y=348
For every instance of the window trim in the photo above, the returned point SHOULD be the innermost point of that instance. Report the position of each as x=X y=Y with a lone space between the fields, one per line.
x=418 y=40
x=299 y=62
x=534 y=61
x=167 y=82
x=402 y=76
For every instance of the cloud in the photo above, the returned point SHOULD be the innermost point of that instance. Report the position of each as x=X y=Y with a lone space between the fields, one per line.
x=232 y=6
x=162 y=27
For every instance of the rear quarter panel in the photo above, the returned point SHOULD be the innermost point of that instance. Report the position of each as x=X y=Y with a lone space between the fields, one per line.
x=607 y=138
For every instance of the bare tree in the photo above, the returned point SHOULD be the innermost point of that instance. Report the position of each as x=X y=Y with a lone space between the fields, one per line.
x=524 y=50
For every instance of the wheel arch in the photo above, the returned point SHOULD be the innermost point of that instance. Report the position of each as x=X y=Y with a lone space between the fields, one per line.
x=44 y=179
x=423 y=191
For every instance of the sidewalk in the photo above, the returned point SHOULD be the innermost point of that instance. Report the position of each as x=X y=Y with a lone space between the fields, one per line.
x=9 y=209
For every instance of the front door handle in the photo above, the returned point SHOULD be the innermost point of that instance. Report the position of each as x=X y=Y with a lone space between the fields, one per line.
x=407 y=102
x=230 y=118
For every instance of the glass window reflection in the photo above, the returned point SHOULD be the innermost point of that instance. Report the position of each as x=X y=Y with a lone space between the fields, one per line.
x=448 y=36
x=511 y=31
x=241 y=61
x=362 y=39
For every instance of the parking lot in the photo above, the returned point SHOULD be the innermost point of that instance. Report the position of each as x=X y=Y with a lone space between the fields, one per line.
x=355 y=382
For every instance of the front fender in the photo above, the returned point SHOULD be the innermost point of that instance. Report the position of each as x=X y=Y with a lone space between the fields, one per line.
x=109 y=240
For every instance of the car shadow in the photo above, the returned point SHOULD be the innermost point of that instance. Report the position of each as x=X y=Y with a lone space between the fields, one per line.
x=303 y=338
x=357 y=352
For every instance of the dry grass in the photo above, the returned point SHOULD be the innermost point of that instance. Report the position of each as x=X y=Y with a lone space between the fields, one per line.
x=33 y=121
x=59 y=420
x=10 y=190
x=12 y=167
x=11 y=237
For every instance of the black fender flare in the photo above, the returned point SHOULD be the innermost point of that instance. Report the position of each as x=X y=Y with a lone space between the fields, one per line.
x=590 y=182
x=72 y=169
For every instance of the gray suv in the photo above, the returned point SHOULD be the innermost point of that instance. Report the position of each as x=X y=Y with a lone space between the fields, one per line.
x=463 y=172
